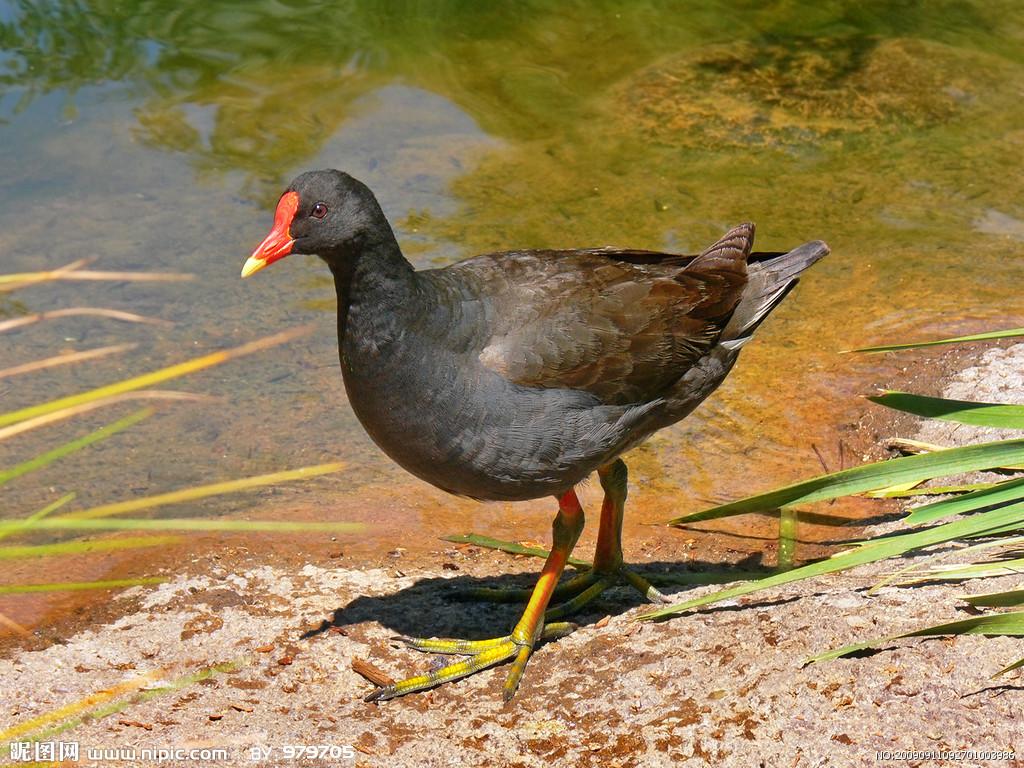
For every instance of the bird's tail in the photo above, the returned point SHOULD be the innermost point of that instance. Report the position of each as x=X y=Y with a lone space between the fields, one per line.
x=770 y=276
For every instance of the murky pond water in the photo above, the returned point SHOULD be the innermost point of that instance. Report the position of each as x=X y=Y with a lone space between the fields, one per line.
x=157 y=135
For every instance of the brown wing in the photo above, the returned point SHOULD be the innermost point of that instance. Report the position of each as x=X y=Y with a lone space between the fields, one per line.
x=623 y=325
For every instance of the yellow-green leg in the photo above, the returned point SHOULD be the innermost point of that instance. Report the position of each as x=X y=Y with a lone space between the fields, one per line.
x=520 y=643
x=608 y=569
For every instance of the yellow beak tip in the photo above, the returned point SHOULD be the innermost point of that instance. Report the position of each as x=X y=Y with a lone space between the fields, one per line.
x=252 y=266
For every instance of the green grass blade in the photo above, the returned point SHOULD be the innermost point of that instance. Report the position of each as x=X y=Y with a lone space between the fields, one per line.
x=996 y=415
x=972 y=571
x=917 y=446
x=1013 y=332
x=181 y=524
x=103 y=703
x=65 y=358
x=868 y=552
x=991 y=624
x=20 y=428
x=75 y=586
x=1007 y=599
x=1016 y=665
x=1000 y=493
x=39 y=515
x=61 y=451
x=870 y=477
x=507 y=546
x=56 y=314
x=931 y=490
x=689 y=578
x=1013 y=527
x=205 y=491
x=909 y=574
x=18 y=279
x=85 y=547
x=119 y=705
x=151 y=379
x=789 y=522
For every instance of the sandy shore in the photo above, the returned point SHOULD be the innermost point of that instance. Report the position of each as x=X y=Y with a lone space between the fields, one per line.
x=261 y=658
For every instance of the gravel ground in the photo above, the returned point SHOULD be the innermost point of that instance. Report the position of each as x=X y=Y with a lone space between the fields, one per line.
x=236 y=659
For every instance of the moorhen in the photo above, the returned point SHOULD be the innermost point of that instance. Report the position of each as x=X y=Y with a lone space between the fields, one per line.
x=514 y=375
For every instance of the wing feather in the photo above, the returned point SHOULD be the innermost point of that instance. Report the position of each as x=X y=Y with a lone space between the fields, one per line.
x=622 y=325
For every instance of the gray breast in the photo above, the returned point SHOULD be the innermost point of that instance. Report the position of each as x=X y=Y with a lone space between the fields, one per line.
x=450 y=421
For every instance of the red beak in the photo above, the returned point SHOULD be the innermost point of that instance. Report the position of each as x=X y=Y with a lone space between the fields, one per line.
x=279 y=242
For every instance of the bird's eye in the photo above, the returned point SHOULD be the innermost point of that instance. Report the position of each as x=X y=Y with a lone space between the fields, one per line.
x=319 y=210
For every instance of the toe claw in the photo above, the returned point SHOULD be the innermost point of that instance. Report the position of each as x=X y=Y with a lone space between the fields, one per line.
x=558 y=629
x=380 y=694
x=515 y=675
x=643 y=586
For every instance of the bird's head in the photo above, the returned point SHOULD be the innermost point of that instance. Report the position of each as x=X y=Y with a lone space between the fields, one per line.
x=327 y=213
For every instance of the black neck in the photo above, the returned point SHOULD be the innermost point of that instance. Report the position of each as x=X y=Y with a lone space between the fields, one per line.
x=377 y=278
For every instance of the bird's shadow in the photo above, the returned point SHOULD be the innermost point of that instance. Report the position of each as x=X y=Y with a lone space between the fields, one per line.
x=433 y=607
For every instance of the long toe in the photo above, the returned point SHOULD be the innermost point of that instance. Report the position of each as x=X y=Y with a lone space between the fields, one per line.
x=584 y=598
x=451 y=646
x=595 y=582
x=482 y=654
x=643 y=586
x=504 y=649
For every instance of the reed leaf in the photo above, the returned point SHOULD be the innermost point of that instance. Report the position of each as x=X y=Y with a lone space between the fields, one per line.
x=76 y=586
x=789 y=523
x=906 y=445
x=14 y=280
x=103 y=703
x=893 y=490
x=76 y=410
x=12 y=552
x=10 y=283
x=903 y=445
x=931 y=490
x=65 y=359
x=717 y=576
x=1007 y=599
x=869 y=477
x=55 y=314
x=85 y=703
x=991 y=495
x=507 y=546
x=970 y=571
x=908 y=575
x=204 y=491
x=1016 y=665
x=867 y=552
x=995 y=415
x=990 y=624
x=40 y=514
x=179 y=524
x=45 y=459
x=153 y=378
x=1008 y=334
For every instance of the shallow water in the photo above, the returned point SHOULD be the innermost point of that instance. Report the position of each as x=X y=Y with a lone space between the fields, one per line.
x=157 y=136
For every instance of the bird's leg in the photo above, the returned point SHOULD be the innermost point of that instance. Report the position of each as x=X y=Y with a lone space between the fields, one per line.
x=608 y=567
x=520 y=643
